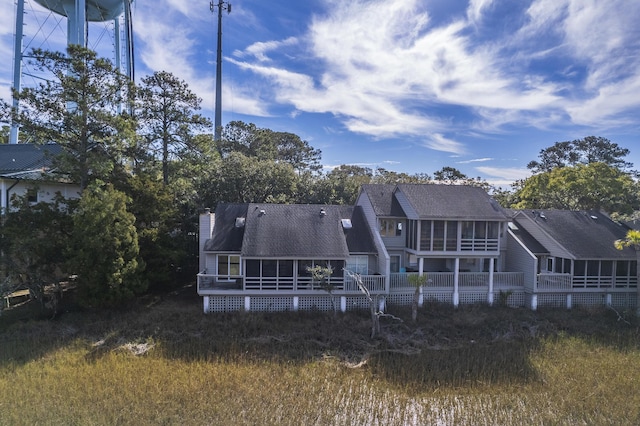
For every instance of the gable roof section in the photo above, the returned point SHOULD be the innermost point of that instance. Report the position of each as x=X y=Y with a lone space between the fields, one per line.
x=296 y=230
x=290 y=230
x=226 y=236
x=462 y=202
x=529 y=241
x=359 y=238
x=382 y=200
x=583 y=234
x=19 y=160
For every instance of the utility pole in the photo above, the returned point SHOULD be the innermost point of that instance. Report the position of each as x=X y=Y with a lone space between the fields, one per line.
x=222 y=5
x=17 y=66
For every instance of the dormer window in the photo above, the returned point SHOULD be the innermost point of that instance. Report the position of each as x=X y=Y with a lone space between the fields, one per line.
x=390 y=228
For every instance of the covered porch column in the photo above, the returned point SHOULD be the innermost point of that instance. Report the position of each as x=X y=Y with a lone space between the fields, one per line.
x=490 y=294
x=456 y=279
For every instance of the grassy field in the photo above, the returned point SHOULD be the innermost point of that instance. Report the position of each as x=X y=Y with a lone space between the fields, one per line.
x=161 y=361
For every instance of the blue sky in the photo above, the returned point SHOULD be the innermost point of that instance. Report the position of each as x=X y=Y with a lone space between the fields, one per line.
x=406 y=85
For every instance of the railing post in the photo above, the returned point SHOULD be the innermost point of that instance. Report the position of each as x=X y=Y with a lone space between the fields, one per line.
x=490 y=294
x=456 y=278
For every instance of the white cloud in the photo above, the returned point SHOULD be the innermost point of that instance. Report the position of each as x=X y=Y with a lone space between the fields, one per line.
x=259 y=50
x=475 y=160
x=439 y=143
x=383 y=65
x=507 y=174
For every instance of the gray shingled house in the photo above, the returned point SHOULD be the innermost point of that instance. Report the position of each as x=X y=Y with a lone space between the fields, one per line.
x=570 y=259
x=453 y=234
x=27 y=169
x=254 y=256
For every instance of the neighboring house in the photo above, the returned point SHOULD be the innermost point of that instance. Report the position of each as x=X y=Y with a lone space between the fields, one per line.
x=26 y=169
x=453 y=234
x=570 y=259
x=254 y=256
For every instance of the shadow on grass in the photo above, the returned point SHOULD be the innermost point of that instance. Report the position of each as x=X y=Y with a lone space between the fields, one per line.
x=446 y=347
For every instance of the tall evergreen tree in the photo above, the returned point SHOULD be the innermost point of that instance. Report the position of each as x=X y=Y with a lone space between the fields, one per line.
x=104 y=253
x=82 y=107
x=168 y=120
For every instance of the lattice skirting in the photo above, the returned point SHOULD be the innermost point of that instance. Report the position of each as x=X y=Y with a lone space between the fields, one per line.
x=561 y=300
x=323 y=302
x=226 y=303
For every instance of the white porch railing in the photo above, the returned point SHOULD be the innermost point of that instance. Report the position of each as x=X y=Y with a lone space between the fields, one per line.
x=373 y=283
x=478 y=244
x=547 y=282
x=567 y=282
x=399 y=281
x=238 y=283
x=215 y=282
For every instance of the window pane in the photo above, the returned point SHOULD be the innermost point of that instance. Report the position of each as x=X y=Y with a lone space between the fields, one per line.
x=383 y=227
x=481 y=231
x=302 y=268
x=452 y=235
x=467 y=230
x=622 y=268
x=269 y=268
x=398 y=229
x=234 y=265
x=285 y=268
x=223 y=264
x=253 y=268
x=492 y=229
x=395 y=264
x=579 y=268
x=438 y=235
x=593 y=268
x=338 y=268
x=425 y=235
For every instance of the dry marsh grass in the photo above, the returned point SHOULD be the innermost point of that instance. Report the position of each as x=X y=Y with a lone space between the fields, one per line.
x=163 y=362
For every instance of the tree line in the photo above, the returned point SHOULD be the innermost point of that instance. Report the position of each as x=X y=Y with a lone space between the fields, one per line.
x=147 y=163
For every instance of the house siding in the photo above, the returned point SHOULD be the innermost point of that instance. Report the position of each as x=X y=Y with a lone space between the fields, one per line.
x=46 y=190
x=383 y=261
x=522 y=260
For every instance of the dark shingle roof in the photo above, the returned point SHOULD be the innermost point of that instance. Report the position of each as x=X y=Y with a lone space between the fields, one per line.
x=452 y=201
x=290 y=230
x=584 y=234
x=531 y=243
x=359 y=239
x=227 y=237
x=382 y=199
x=20 y=158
